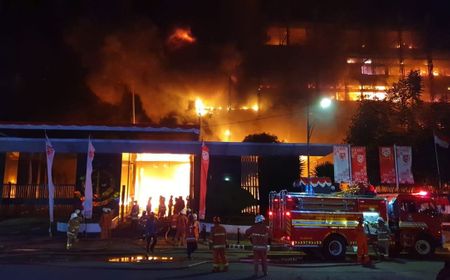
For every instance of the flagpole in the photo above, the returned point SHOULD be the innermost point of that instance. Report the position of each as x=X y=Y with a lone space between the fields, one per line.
x=396 y=169
x=437 y=162
x=350 y=163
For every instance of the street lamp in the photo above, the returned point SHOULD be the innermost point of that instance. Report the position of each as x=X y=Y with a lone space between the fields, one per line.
x=324 y=104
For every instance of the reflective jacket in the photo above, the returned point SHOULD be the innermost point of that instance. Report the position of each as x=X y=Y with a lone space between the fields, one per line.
x=192 y=232
x=383 y=233
x=259 y=235
x=218 y=237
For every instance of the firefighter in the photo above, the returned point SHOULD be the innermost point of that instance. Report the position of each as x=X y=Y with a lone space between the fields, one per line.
x=383 y=233
x=134 y=216
x=361 y=242
x=73 y=227
x=259 y=236
x=181 y=228
x=105 y=223
x=150 y=232
x=218 y=243
x=191 y=235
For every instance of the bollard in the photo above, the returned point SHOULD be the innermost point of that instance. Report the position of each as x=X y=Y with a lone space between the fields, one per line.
x=238 y=235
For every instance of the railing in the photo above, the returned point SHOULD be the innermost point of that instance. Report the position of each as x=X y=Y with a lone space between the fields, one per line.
x=36 y=192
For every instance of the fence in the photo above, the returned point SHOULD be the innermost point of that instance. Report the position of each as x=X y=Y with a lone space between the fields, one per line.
x=19 y=200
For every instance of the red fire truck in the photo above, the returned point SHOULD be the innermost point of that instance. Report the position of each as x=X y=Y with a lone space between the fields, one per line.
x=418 y=221
x=328 y=221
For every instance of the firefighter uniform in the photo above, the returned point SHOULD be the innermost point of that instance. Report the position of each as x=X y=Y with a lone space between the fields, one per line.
x=105 y=223
x=219 y=242
x=361 y=242
x=73 y=227
x=259 y=236
x=383 y=239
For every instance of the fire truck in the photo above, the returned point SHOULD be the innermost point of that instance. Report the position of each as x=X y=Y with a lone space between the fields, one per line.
x=418 y=221
x=328 y=221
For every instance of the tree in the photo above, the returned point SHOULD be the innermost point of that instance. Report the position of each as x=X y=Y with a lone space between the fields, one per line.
x=325 y=169
x=261 y=138
x=404 y=97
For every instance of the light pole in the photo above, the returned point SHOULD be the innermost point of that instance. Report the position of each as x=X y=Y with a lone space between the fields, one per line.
x=324 y=104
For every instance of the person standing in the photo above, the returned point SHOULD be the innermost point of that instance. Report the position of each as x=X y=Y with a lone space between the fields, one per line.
x=219 y=242
x=73 y=227
x=170 y=206
x=105 y=223
x=151 y=231
x=149 y=205
x=259 y=236
x=162 y=207
x=361 y=241
x=181 y=228
x=134 y=216
x=191 y=235
x=383 y=238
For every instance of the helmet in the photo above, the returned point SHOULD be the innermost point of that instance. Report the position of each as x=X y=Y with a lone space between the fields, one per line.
x=380 y=220
x=73 y=216
x=259 y=219
x=216 y=220
x=77 y=211
x=194 y=216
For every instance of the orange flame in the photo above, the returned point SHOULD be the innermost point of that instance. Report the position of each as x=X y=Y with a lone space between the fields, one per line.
x=181 y=37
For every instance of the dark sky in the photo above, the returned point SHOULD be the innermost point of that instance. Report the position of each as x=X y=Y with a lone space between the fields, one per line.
x=43 y=72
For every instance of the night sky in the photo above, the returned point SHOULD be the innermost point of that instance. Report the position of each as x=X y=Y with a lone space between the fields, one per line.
x=49 y=50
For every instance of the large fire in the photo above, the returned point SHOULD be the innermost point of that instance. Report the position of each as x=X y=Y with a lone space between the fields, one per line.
x=161 y=175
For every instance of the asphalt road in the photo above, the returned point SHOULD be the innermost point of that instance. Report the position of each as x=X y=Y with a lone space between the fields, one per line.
x=399 y=269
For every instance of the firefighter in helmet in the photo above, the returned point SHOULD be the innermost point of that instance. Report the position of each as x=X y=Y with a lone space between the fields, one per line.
x=73 y=227
x=259 y=236
x=383 y=239
x=361 y=242
x=219 y=242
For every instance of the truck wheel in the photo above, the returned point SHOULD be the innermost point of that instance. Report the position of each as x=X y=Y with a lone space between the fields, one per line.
x=335 y=248
x=423 y=247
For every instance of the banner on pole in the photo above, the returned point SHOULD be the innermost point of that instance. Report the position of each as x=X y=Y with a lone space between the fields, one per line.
x=50 y=152
x=359 y=165
x=203 y=181
x=404 y=163
x=387 y=165
x=341 y=159
x=88 y=183
x=441 y=141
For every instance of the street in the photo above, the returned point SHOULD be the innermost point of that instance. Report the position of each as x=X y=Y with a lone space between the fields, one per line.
x=89 y=270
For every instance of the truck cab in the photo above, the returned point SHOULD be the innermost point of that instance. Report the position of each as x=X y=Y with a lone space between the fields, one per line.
x=416 y=220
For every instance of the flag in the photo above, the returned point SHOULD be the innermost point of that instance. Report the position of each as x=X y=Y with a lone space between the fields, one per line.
x=341 y=159
x=50 y=152
x=387 y=165
x=359 y=166
x=203 y=181
x=88 y=184
x=444 y=142
x=404 y=163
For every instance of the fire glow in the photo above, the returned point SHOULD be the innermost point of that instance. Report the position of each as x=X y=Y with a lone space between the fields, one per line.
x=161 y=175
x=181 y=37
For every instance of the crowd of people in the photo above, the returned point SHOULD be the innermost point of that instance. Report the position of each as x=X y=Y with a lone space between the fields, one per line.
x=181 y=228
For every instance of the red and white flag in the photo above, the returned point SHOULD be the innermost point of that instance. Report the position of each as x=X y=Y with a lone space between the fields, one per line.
x=359 y=165
x=203 y=181
x=387 y=165
x=50 y=153
x=404 y=163
x=341 y=159
x=88 y=184
x=442 y=141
